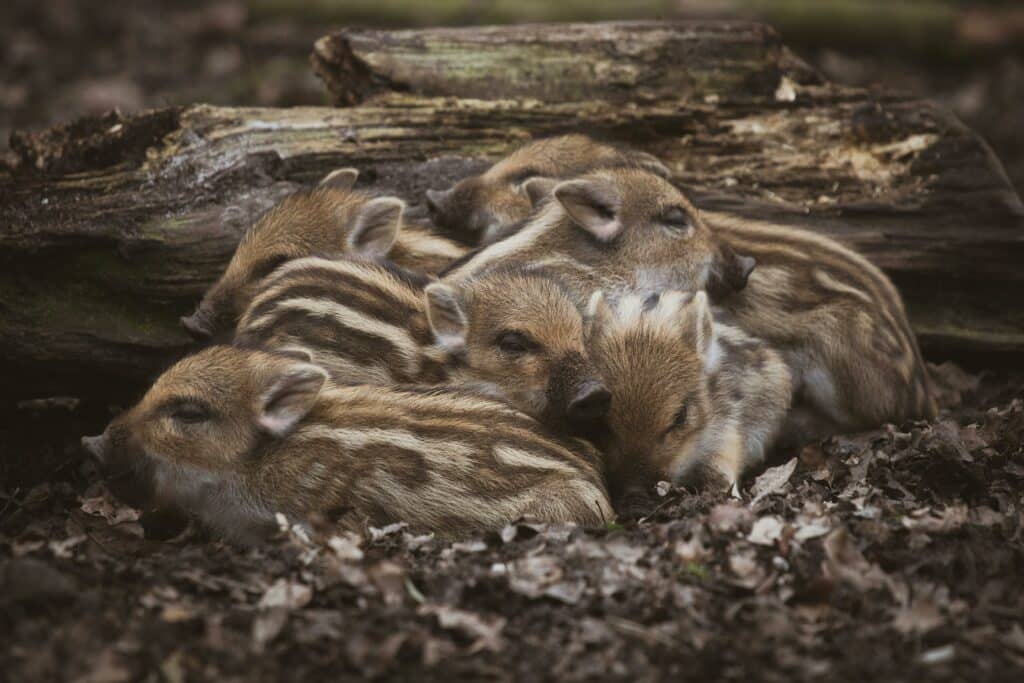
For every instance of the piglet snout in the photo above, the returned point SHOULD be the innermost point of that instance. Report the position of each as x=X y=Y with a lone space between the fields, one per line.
x=591 y=402
x=197 y=326
x=96 y=446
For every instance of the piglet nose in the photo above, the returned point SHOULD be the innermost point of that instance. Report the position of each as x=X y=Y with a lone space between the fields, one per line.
x=96 y=446
x=591 y=402
x=634 y=501
x=196 y=326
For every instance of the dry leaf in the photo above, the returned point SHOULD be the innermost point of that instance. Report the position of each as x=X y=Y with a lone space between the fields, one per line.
x=63 y=548
x=623 y=551
x=938 y=655
x=568 y=592
x=389 y=579
x=177 y=613
x=773 y=480
x=808 y=529
x=844 y=561
x=786 y=92
x=692 y=550
x=746 y=569
x=730 y=517
x=921 y=616
x=530 y=576
x=469 y=547
x=390 y=530
x=267 y=626
x=486 y=632
x=766 y=530
x=346 y=547
x=110 y=510
x=286 y=594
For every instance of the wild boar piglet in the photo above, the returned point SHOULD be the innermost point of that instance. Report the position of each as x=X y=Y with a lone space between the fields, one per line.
x=618 y=229
x=694 y=401
x=364 y=321
x=484 y=208
x=233 y=437
x=518 y=333
x=515 y=334
x=329 y=220
x=837 y=318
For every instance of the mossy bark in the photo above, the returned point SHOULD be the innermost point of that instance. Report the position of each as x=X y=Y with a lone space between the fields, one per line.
x=623 y=62
x=111 y=228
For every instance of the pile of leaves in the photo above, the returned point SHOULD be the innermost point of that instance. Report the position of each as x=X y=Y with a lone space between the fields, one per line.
x=890 y=555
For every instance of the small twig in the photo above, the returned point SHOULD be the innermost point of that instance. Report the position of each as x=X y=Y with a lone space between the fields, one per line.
x=656 y=510
x=597 y=504
x=10 y=500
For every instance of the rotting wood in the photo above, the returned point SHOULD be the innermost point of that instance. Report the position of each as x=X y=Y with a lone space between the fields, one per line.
x=639 y=61
x=110 y=228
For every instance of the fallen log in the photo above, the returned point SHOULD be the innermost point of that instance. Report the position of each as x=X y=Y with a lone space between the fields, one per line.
x=620 y=62
x=110 y=228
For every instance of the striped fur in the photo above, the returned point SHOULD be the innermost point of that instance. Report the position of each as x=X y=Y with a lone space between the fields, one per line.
x=267 y=434
x=363 y=321
x=483 y=209
x=693 y=400
x=837 y=318
x=325 y=221
x=371 y=322
x=519 y=332
x=843 y=320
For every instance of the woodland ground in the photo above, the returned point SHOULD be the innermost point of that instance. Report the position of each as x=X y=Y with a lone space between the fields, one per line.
x=892 y=555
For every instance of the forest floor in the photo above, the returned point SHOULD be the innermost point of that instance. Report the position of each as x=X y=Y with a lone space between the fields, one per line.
x=890 y=555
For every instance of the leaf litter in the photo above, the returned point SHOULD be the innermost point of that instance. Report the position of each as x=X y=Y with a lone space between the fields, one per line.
x=895 y=554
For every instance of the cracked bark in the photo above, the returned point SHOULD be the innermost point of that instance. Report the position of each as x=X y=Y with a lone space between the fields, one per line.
x=111 y=227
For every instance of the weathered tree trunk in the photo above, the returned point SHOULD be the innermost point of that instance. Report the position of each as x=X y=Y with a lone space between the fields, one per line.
x=622 y=62
x=111 y=228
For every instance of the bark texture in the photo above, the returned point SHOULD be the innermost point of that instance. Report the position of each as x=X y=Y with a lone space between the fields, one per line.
x=619 y=62
x=110 y=228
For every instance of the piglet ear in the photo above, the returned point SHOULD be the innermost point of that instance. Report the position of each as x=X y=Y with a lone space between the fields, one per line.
x=593 y=205
x=652 y=164
x=340 y=179
x=447 y=316
x=729 y=273
x=698 y=324
x=376 y=227
x=437 y=199
x=538 y=189
x=289 y=396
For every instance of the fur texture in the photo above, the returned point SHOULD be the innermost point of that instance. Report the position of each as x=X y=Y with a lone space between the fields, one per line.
x=837 y=318
x=326 y=221
x=363 y=321
x=519 y=331
x=693 y=400
x=234 y=436
x=483 y=209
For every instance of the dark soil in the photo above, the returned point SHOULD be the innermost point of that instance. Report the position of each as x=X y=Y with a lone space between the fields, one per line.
x=891 y=555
